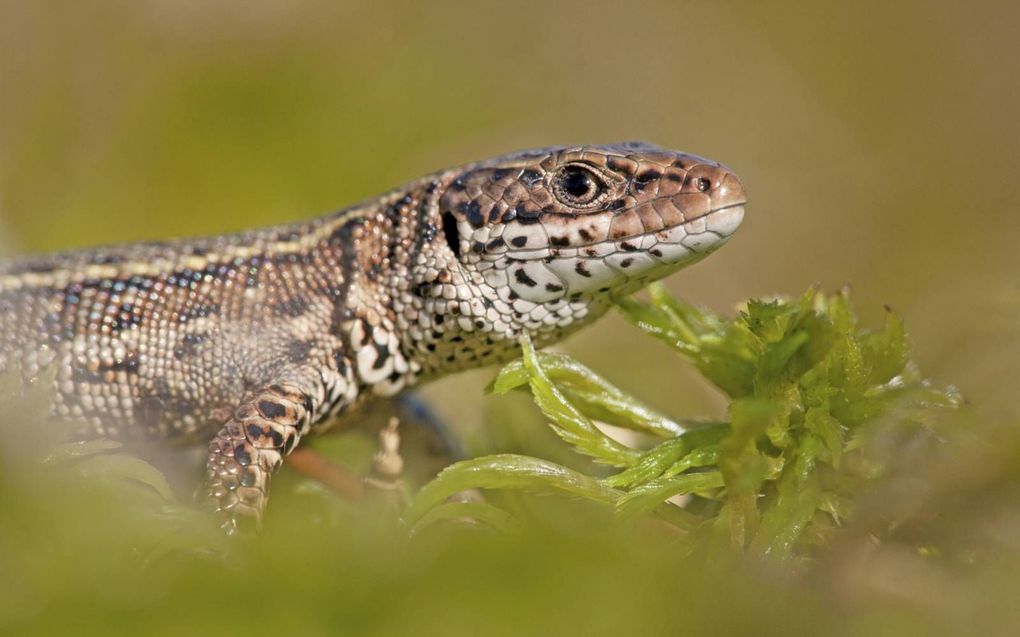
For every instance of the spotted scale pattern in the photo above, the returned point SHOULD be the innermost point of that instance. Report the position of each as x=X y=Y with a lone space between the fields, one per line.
x=253 y=340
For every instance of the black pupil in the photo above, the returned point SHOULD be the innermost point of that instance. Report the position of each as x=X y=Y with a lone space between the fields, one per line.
x=577 y=183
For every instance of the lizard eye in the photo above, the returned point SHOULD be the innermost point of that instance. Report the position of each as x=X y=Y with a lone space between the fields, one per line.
x=578 y=186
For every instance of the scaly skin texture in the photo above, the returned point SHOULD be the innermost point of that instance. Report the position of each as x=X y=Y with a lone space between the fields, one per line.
x=256 y=339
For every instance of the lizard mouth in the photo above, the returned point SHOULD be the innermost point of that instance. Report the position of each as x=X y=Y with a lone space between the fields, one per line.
x=719 y=223
x=617 y=265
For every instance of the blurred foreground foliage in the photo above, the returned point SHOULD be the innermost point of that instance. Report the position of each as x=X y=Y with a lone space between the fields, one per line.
x=840 y=496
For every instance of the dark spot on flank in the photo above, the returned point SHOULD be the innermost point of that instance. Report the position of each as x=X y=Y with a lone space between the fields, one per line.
x=498 y=242
x=494 y=213
x=560 y=242
x=655 y=252
x=292 y=307
x=477 y=247
x=582 y=269
x=522 y=277
x=531 y=177
x=129 y=365
x=647 y=176
x=188 y=345
x=198 y=310
x=675 y=177
x=509 y=215
x=583 y=232
x=126 y=318
x=552 y=287
x=271 y=409
x=297 y=350
x=499 y=174
x=395 y=211
x=679 y=163
x=616 y=204
x=626 y=263
x=629 y=247
x=591 y=252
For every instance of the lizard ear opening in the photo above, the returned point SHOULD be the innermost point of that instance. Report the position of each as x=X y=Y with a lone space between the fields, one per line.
x=451 y=233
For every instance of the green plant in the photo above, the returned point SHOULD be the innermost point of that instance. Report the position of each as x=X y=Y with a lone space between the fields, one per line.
x=807 y=388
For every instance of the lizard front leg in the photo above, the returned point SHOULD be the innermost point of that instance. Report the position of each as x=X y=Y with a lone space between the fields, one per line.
x=251 y=446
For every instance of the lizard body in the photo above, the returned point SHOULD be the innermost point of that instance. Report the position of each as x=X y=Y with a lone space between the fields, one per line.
x=253 y=340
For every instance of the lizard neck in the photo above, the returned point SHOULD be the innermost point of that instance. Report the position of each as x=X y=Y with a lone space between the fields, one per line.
x=410 y=310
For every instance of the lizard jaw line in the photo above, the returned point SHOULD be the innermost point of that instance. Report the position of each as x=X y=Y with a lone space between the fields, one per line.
x=683 y=224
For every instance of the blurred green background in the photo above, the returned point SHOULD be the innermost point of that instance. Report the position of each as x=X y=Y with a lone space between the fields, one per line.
x=878 y=142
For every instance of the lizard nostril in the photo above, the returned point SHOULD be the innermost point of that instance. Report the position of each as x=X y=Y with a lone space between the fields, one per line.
x=703 y=184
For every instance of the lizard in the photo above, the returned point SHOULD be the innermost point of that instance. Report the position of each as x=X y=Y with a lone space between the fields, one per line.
x=253 y=340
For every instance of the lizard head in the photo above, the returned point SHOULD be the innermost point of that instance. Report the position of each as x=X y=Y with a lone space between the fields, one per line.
x=539 y=240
